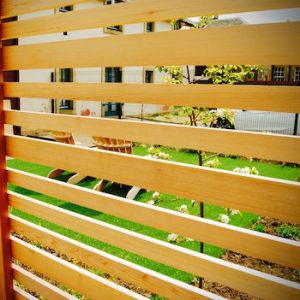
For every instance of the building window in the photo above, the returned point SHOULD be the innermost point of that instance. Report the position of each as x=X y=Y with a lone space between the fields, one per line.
x=278 y=73
x=199 y=70
x=114 y=29
x=113 y=109
x=64 y=9
x=113 y=74
x=149 y=76
x=297 y=74
x=149 y=27
x=65 y=75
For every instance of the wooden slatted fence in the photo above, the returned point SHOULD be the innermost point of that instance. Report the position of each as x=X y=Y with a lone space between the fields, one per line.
x=244 y=44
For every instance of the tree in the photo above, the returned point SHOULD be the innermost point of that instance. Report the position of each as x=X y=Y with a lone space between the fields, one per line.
x=217 y=74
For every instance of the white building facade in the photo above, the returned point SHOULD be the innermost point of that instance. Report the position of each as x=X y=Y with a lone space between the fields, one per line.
x=126 y=74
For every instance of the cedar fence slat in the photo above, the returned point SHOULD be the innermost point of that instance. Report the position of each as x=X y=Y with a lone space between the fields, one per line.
x=198 y=183
x=246 y=44
x=145 y=278
x=248 y=97
x=230 y=237
x=247 y=280
x=137 y=11
x=85 y=282
x=38 y=285
x=259 y=145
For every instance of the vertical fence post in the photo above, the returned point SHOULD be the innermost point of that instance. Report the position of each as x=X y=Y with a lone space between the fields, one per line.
x=6 y=280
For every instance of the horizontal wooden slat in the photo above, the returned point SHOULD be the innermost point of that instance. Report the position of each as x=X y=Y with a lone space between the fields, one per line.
x=68 y=274
x=137 y=11
x=241 y=278
x=249 y=97
x=11 y=8
x=229 y=237
x=218 y=187
x=38 y=285
x=249 y=144
x=247 y=44
x=22 y=295
x=140 y=276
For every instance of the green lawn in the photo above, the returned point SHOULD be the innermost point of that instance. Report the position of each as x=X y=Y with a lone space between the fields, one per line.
x=166 y=201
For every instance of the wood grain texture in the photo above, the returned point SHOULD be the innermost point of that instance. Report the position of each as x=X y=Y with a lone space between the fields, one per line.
x=246 y=44
x=20 y=294
x=249 y=97
x=259 y=145
x=215 y=233
x=137 y=11
x=240 y=278
x=68 y=274
x=11 y=8
x=145 y=278
x=38 y=285
x=218 y=187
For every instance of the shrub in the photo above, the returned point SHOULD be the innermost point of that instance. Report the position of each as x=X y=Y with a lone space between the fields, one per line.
x=288 y=231
x=260 y=227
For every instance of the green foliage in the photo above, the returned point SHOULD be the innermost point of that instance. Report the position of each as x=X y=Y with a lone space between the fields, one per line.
x=173 y=74
x=260 y=227
x=212 y=163
x=218 y=74
x=156 y=152
x=202 y=22
x=230 y=74
x=156 y=297
x=288 y=231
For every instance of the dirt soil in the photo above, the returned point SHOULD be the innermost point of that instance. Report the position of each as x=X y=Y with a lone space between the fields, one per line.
x=253 y=263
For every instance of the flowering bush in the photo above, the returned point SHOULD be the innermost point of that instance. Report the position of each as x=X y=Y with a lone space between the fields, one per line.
x=156 y=152
x=234 y=212
x=155 y=195
x=177 y=239
x=151 y=202
x=247 y=171
x=183 y=209
x=172 y=237
x=213 y=163
x=224 y=218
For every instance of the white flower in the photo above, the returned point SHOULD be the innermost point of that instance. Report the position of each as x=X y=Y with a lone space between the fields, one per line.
x=172 y=237
x=189 y=240
x=163 y=155
x=151 y=149
x=247 y=171
x=155 y=195
x=224 y=218
x=213 y=163
x=195 y=281
x=193 y=202
x=254 y=171
x=234 y=212
x=151 y=202
x=183 y=209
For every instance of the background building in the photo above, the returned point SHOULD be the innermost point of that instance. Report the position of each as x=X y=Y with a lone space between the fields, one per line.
x=126 y=74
